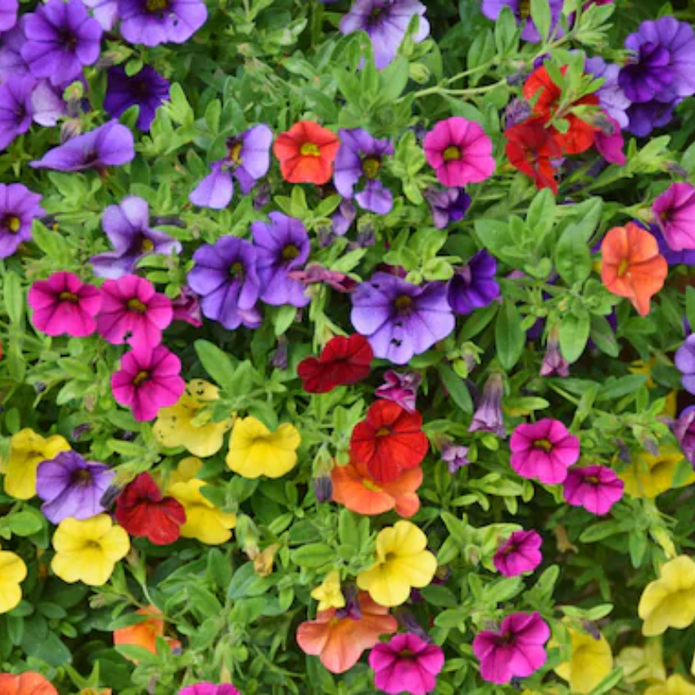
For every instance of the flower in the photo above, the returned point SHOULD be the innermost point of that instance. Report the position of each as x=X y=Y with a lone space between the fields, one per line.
x=531 y=149
x=399 y=318
x=401 y=388
x=225 y=277
x=342 y=361
x=488 y=415
x=338 y=637
x=15 y=108
x=406 y=663
x=611 y=96
x=447 y=206
x=328 y=593
x=13 y=571
x=71 y=486
x=188 y=422
x=641 y=663
x=153 y=22
x=147 y=381
x=388 y=441
x=553 y=361
x=591 y=660
x=356 y=489
x=88 y=550
x=675 y=214
x=455 y=456
x=127 y=227
x=675 y=685
x=18 y=208
x=27 y=683
x=207 y=688
x=315 y=273
x=684 y=430
x=306 y=153
x=459 y=151
x=147 y=90
x=670 y=600
x=8 y=14
x=63 y=304
x=247 y=160
x=111 y=144
x=520 y=553
x=522 y=13
x=401 y=562
x=609 y=141
x=544 y=450
x=645 y=117
x=187 y=307
x=61 y=38
x=474 y=285
x=516 y=651
x=144 y=633
x=596 y=488
x=632 y=266
x=360 y=155
x=684 y=359
x=648 y=476
x=143 y=512
x=254 y=450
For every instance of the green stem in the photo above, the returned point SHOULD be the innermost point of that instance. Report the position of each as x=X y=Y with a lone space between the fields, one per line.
x=480 y=68
x=458 y=92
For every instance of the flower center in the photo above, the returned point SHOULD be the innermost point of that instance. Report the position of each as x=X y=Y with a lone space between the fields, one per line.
x=234 y=151
x=310 y=149
x=137 y=306
x=154 y=6
x=623 y=268
x=141 y=377
x=383 y=432
x=290 y=252
x=237 y=271
x=593 y=479
x=511 y=548
x=543 y=444
x=403 y=304
x=68 y=297
x=390 y=557
x=11 y=224
x=371 y=486
x=452 y=153
x=82 y=476
x=92 y=545
x=405 y=653
x=370 y=167
x=524 y=8
x=147 y=245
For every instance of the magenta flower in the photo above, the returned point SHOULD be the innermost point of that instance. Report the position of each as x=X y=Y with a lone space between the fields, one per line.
x=519 y=553
x=147 y=381
x=207 y=688
x=64 y=304
x=187 y=307
x=675 y=214
x=543 y=451
x=133 y=312
x=18 y=208
x=401 y=388
x=459 y=152
x=595 y=488
x=516 y=651
x=406 y=664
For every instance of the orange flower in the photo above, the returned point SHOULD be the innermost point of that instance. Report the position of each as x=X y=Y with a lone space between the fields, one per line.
x=28 y=683
x=354 y=488
x=632 y=266
x=306 y=153
x=339 y=639
x=144 y=634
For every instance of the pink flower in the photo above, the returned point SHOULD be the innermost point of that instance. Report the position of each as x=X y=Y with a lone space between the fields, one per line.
x=133 y=312
x=519 y=553
x=207 y=688
x=543 y=451
x=516 y=651
x=459 y=152
x=64 y=304
x=187 y=307
x=406 y=664
x=401 y=388
x=675 y=214
x=610 y=142
x=595 y=488
x=147 y=381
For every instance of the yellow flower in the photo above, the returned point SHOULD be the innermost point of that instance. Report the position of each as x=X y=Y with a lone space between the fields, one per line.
x=27 y=451
x=186 y=470
x=328 y=594
x=642 y=663
x=670 y=600
x=88 y=550
x=649 y=476
x=590 y=662
x=401 y=563
x=13 y=571
x=185 y=424
x=675 y=685
x=254 y=450
x=204 y=520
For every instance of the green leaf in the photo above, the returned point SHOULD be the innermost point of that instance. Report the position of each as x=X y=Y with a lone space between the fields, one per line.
x=572 y=255
x=603 y=335
x=574 y=334
x=510 y=337
x=14 y=297
x=598 y=532
x=24 y=523
x=393 y=79
x=439 y=596
x=217 y=364
x=313 y=555
x=348 y=530
x=540 y=13
x=617 y=388
x=456 y=387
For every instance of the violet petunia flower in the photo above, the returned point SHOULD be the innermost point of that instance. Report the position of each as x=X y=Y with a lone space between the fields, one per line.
x=111 y=144
x=447 y=206
x=401 y=388
x=283 y=246
x=359 y=158
x=684 y=431
x=554 y=364
x=520 y=553
x=18 y=208
x=15 y=108
x=127 y=227
x=11 y=61
x=454 y=455
x=684 y=360
x=343 y=217
x=474 y=285
x=104 y=11
x=522 y=12
x=648 y=116
x=596 y=488
x=153 y=22
x=187 y=307
x=71 y=486
x=610 y=94
x=401 y=319
x=488 y=415
x=147 y=89
x=47 y=105
x=674 y=211
x=8 y=14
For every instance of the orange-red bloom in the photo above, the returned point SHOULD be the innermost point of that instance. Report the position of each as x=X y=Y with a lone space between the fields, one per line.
x=144 y=634
x=632 y=266
x=354 y=488
x=531 y=149
x=27 y=683
x=306 y=153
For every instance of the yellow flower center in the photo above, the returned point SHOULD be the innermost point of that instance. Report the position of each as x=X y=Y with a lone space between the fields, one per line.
x=452 y=153
x=156 y=5
x=403 y=303
x=237 y=271
x=137 y=306
x=371 y=486
x=234 y=152
x=383 y=432
x=12 y=223
x=623 y=268
x=147 y=245
x=543 y=444
x=370 y=167
x=92 y=545
x=140 y=377
x=524 y=8
x=290 y=252
x=81 y=476
x=310 y=149
x=68 y=297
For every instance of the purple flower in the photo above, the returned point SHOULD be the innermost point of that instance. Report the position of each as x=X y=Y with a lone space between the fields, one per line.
x=104 y=11
x=187 y=307
x=675 y=214
x=685 y=363
x=474 y=285
x=672 y=257
x=360 y=157
x=127 y=227
x=316 y=273
x=488 y=415
x=148 y=90
x=61 y=38
x=343 y=218
x=400 y=388
x=520 y=553
x=522 y=11
x=646 y=117
x=18 y=207
x=455 y=456
x=610 y=94
x=247 y=159
x=595 y=488
x=111 y=144
x=386 y=22
x=71 y=486
x=152 y=22
x=225 y=277
x=11 y=61
x=15 y=108
x=399 y=318
x=447 y=206
x=553 y=361
x=684 y=431
x=8 y=14
x=47 y=105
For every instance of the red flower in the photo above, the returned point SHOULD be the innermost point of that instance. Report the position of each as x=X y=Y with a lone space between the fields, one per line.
x=343 y=361
x=389 y=441
x=530 y=149
x=142 y=511
x=306 y=153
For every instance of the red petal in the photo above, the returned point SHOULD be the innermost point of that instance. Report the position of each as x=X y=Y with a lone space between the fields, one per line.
x=343 y=361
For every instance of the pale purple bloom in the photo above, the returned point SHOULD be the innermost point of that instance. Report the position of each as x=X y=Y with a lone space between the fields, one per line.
x=8 y=14
x=474 y=285
x=15 y=108
x=47 y=105
x=520 y=553
x=147 y=90
x=11 y=61
x=18 y=208
x=401 y=388
x=611 y=96
x=674 y=211
x=493 y=8
x=153 y=22
x=488 y=415
x=554 y=364
x=104 y=11
x=343 y=218
x=187 y=307
x=685 y=363
x=684 y=431
x=316 y=273
x=455 y=456
x=596 y=488
x=447 y=205
x=517 y=111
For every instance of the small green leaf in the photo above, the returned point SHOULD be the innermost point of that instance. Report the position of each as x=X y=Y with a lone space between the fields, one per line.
x=510 y=337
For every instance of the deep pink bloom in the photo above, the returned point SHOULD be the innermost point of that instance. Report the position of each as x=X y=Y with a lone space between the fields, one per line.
x=520 y=553
x=609 y=142
x=207 y=688
x=64 y=304
x=401 y=388
x=460 y=152
x=675 y=214
x=516 y=651
x=543 y=451
x=187 y=307
x=596 y=488
x=406 y=664
x=133 y=312
x=147 y=381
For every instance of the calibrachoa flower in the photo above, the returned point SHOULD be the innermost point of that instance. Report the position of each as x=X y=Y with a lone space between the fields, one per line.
x=447 y=206
x=13 y=571
x=674 y=211
x=611 y=96
x=306 y=153
x=15 y=108
x=488 y=415
x=147 y=90
x=520 y=553
x=649 y=476
x=187 y=307
x=532 y=150
x=401 y=388
x=591 y=660
x=64 y=304
x=406 y=663
x=684 y=430
x=454 y=455
x=609 y=141
x=8 y=14
x=88 y=550
x=474 y=285
x=684 y=360
x=153 y=22
x=554 y=364
x=596 y=488
x=516 y=651
x=328 y=593
x=27 y=683
x=522 y=12
x=18 y=208
x=206 y=688
x=144 y=634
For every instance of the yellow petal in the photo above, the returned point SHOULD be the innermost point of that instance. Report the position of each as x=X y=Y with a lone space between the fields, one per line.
x=12 y=568
x=384 y=585
x=10 y=596
x=115 y=544
x=417 y=570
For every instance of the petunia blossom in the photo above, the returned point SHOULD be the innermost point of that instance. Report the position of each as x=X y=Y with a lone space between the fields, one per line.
x=306 y=153
x=154 y=22
x=18 y=208
x=16 y=108
x=401 y=388
x=147 y=90
x=596 y=488
x=520 y=553
x=674 y=211
x=474 y=285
